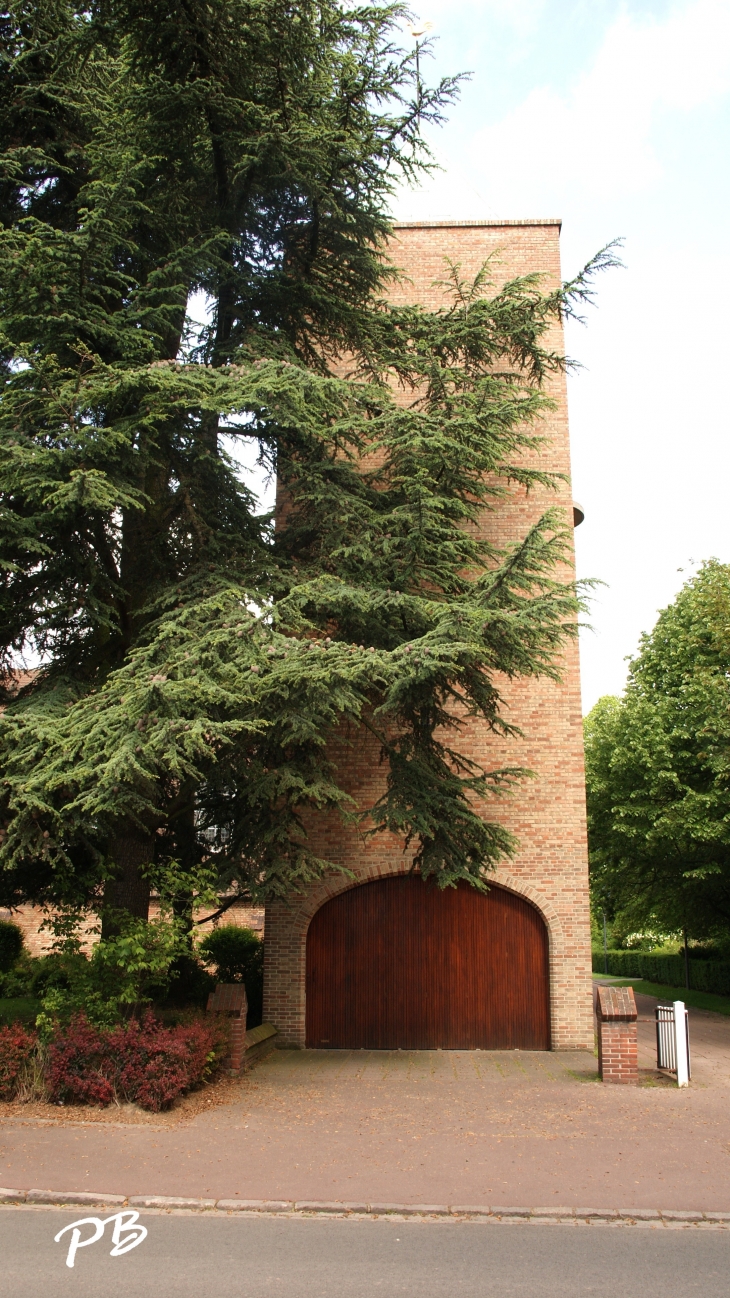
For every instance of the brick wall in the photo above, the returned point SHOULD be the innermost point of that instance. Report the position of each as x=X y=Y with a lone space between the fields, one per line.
x=548 y=813
x=618 y=1053
x=38 y=940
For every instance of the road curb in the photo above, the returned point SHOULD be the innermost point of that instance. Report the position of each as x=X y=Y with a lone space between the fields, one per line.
x=672 y=1218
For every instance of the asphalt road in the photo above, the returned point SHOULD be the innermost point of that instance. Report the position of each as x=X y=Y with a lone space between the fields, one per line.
x=199 y=1257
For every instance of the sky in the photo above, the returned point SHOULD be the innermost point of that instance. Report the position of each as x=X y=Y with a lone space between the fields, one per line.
x=616 y=118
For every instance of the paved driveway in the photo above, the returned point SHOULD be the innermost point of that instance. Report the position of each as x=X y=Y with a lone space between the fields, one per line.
x=494 y=1128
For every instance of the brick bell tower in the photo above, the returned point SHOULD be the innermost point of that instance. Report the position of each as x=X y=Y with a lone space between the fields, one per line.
x=374 y=962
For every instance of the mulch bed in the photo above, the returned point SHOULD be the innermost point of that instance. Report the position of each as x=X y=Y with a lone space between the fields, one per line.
x=220 y=1091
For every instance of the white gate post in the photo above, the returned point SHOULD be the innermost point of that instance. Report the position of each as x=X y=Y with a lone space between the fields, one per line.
x=680 y=1043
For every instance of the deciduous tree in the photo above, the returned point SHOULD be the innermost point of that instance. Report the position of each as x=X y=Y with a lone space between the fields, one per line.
x=658 y=771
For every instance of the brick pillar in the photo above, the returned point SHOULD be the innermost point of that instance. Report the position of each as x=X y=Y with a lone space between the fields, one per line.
x=229 y=999
x=237 y=1041
x=618 y=1058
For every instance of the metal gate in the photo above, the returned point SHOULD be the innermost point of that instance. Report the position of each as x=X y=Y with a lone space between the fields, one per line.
x=666 y=1037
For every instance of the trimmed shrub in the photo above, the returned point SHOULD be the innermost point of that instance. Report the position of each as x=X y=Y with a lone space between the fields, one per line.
x=704 y=975
x=161 y=1063
x=153 y=1063
x=16 y=1050
x=11 y=945
x=142 y=1062
x=238 y=957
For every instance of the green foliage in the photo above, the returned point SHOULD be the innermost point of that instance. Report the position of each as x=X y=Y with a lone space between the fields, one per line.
x=122 y=975
x=189 y=985
x=657 y=765
x=233 y=951
x=197 y=660
x=662 y=992
x=705 y=975
x=237 y=955
x=52 y=972
x=621 y=934
x=11 y=945
x=17 y=981
x=18 y=1009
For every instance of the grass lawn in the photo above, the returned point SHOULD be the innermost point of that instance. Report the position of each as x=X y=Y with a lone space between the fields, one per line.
x=700 y=1000
x=14 y=1008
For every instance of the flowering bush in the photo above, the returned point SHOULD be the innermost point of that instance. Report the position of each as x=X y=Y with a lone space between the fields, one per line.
x=16 y=1050
x=143 y=1062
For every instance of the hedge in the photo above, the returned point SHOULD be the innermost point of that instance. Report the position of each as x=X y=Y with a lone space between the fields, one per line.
x=145 y=1063
x=704 y=975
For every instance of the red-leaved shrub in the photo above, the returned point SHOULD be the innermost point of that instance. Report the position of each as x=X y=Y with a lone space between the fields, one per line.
x=153 y=1063
x=16 y=1048
x=80 y=1065
x=145 y=1062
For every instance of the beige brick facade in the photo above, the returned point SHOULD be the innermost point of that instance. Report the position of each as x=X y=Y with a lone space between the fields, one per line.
x=39 y=940
x=548 y=813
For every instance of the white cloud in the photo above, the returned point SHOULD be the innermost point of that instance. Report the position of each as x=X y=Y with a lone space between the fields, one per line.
x=596 y=138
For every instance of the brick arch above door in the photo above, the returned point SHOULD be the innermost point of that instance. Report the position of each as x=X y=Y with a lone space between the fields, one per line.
x=287 y=924
x=399 y=964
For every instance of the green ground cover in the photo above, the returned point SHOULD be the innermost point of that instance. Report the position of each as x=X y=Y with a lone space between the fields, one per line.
x=699 y=1000
x=18 y=1008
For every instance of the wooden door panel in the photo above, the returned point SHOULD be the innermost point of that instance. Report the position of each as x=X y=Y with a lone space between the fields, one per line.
x=399 y=964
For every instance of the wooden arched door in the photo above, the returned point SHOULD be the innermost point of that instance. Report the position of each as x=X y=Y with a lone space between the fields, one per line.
x=400 y=964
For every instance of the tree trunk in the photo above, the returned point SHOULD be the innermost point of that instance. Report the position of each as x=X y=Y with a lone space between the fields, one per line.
x=129 y=889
